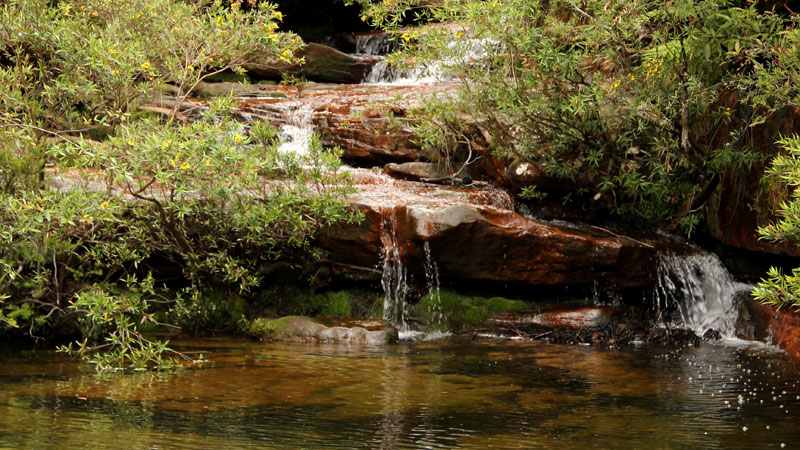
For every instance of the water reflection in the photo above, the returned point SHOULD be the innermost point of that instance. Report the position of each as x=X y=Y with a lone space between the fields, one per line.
x=442 y=394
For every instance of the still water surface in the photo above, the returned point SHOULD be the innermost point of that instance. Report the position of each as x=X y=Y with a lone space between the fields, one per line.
x=442 y=394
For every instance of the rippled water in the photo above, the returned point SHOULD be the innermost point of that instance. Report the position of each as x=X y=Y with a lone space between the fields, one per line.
x=441 y=394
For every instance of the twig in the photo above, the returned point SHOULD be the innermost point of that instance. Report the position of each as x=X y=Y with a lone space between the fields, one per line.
x=622 y=236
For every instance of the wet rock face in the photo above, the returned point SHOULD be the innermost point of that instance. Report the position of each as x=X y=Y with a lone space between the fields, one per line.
x=356 y=118
x=306 y=329
x=779 y=327
x=742 y=204
x=472 y=234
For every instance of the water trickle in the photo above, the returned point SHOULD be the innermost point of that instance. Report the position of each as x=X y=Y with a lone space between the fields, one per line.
x=394 y=275
x=296 y=134
x=374 y=44
x=383 y=73
x=432 y=281
x=700 y=290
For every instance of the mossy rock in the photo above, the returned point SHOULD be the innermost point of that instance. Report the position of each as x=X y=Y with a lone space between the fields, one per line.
x=307 y=329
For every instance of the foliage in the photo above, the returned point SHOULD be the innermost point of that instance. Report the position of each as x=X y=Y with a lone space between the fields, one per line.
x=127 y=192
x=645 y=103
x=781 y=289
x=111 y=317
x=66 y=72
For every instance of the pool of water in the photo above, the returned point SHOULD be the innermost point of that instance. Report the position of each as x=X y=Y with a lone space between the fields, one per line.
x=448 y=393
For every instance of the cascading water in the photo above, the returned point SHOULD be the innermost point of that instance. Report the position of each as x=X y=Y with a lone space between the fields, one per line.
x=461 y=52
x=296 y=135
x=432 y=281
x=374 y=44
x=393 y=279
x=700 y=290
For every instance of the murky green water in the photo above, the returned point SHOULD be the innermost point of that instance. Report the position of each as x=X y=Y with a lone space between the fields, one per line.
x=442 y=394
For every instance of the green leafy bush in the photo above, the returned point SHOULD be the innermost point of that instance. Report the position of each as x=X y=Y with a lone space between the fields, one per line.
x=781 y=289
x=213 y=197
x=642 y=106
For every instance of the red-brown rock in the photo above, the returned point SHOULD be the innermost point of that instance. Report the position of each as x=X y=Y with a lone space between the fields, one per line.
x=322 y=63
x=357 y=118
x=779 y=327
x=575 y=318
x=742 y=204
x=472 y=235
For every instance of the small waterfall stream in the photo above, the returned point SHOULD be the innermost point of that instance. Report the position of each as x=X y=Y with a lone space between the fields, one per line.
x=701 y=290
x=393 y=279
x=696 y=291
x=296 y=135
x=432 y=283
x=375 y=44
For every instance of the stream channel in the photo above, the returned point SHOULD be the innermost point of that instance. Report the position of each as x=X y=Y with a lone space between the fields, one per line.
x=449 y=392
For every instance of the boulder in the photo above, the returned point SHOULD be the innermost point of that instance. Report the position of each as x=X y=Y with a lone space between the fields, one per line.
x=306 y=329
x=414 y=171
x=322 y=63
x=769 y=324
x=472 y=235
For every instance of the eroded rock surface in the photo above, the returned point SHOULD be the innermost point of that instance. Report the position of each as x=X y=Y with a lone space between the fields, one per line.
x=768 y=324
x=473 y=234
x=356 y=118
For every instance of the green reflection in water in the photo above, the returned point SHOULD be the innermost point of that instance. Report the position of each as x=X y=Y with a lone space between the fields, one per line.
x=442 y=394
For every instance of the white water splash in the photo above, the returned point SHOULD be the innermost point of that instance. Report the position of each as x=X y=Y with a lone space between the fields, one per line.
x=701 y=290
x=374 y=44
x=296 y=135
x=460 y=53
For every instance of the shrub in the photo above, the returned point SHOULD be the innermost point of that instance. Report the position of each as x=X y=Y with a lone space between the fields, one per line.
x=213 y=197
x=640 y=105
x=781 y=289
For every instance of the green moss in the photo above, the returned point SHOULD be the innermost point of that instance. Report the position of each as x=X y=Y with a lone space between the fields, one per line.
x=455 y=312
x=263 y=327
x=288 y=300
x=335 y=304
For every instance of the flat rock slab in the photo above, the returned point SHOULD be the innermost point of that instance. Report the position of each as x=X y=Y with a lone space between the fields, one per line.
x=369 y=122
x=328 y=330
x=414 y=171
x=472 y=233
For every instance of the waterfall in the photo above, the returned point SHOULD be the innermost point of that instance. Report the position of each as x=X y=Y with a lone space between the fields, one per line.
x=296 y=134
x=701 y=290
x=374 y=44
x=383 y=73
x=460 y=52
x=432 y=282
x=393 y=279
